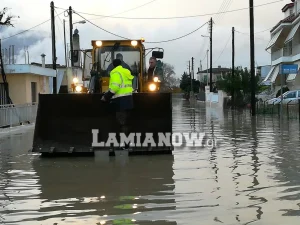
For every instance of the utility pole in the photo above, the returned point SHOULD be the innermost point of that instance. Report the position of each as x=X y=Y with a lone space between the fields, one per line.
x=71 y=33
x=65 y=43
x=232 y=73
x=190 y=74
x=192 y=77
x=207 y=68
x=253 y=103
x=53 y=48
x=210 y=29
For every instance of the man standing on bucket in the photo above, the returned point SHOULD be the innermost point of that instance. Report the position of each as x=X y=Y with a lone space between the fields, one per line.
x=120 y=94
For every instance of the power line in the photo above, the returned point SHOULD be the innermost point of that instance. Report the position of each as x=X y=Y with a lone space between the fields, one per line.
x=128 y=10
x=225 y=8
x=174 y=39
x=152 y=42
x=137 y=7
x=223 y=49
x=28 y=29
x=249 y=35
x=217 y=17
x=176 y=17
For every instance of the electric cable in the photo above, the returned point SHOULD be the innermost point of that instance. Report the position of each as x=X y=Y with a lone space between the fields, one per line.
x=137 y=7
x=249 y=35
x=223 y=49
x=24 y=31
x=150 y=42
x=175 y=17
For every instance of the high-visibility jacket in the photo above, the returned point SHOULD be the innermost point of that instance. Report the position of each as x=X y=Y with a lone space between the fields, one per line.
x=120 y=83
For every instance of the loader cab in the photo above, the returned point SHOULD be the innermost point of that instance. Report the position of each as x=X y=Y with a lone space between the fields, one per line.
x=104 y=52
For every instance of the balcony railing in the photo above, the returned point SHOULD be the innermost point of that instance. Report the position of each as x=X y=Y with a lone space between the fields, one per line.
x=276 y=55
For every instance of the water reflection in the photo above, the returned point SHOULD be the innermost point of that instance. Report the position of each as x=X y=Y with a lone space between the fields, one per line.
x=114 y=189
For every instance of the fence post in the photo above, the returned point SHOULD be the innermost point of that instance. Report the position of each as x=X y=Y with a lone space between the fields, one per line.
x=287 y=109
x=10 y=116
x=299 y=108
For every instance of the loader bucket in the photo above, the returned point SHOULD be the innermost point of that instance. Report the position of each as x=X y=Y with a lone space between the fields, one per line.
x=64 y=122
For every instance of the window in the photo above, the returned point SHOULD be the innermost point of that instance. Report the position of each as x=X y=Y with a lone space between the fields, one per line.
x=33 y=92
x=291 y=95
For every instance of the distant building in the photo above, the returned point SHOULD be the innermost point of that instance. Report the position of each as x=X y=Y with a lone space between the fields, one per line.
x=25 y=81
x=216 y=73
x=285 y=47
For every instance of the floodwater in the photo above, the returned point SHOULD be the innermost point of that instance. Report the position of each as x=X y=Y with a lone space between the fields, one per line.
x=251 y=177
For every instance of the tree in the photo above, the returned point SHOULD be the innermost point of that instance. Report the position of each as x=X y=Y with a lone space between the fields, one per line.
x=185 y=83
x=240 y=85
x=168 y=75
x=5 y=22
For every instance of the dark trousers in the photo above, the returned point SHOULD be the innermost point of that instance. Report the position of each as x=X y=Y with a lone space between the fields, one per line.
x=123 y=122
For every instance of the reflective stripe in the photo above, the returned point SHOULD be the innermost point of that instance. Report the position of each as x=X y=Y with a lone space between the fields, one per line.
x=116 y=84
x=122 y=81
x=112 y=91
x=121 y=95
x=122 y=87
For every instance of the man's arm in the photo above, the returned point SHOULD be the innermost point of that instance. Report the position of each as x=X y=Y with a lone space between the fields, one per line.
x=114 y=86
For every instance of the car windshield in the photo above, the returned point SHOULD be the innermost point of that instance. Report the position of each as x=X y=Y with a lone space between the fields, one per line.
x=129 y=56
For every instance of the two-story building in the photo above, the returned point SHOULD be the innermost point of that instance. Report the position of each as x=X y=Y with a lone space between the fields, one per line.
x=284 y=47
x=216 y=74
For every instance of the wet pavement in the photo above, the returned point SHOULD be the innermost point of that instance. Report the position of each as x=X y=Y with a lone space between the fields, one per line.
x=252 y=177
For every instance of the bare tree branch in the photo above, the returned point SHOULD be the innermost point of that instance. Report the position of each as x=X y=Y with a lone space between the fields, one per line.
x=8 y=20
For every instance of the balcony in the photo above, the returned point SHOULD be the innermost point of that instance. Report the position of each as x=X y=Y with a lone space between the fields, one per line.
x=286 y=54
x=277 y=54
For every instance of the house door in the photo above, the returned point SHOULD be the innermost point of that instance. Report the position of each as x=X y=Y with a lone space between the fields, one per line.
x=33 y=92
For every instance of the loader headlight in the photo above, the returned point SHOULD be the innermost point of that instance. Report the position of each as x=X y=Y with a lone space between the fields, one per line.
x=99 y=43
x=134 y=43
x=152 y=87
x=155 y=79
x=78 y=88
x=75 y=80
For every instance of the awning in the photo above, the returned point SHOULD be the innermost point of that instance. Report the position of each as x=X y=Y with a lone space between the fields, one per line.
x=292 y=33
x=274 y=39
x=269 y=74
x=291 y=77
x=274 y=74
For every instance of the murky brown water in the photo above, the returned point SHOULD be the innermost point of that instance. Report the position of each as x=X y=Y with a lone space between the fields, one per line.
x=252 y=177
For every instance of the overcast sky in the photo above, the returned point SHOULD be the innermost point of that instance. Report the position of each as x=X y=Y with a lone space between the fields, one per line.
x=177 y=53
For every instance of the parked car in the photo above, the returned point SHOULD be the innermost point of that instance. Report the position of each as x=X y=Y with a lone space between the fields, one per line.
x=288 y=97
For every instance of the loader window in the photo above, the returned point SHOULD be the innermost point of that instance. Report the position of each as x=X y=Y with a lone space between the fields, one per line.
x=130 y=57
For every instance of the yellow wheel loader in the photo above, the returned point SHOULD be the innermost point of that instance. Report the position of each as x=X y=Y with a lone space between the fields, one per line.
x=68 y=123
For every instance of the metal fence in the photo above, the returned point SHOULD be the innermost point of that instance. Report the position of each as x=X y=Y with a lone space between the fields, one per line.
x=17 y=114
x=290 y=109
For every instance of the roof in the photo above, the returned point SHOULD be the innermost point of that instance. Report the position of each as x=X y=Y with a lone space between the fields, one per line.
x=48 y=65
x=215 y=70
x=288 y=19
x=28 y=69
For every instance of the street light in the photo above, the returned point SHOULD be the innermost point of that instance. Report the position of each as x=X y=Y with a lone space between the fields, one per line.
x=81 y=22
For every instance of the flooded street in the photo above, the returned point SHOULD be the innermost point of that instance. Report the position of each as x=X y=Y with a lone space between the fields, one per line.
x=252 y=177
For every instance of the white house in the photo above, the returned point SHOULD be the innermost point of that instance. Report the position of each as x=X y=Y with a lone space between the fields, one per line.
x=284 y=46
